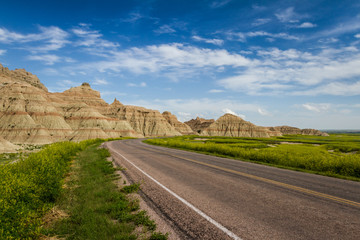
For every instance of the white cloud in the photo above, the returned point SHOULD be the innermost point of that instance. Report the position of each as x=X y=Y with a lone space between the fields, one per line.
x=227 y=110
x=219 y=3
x=352 y=25
x=258 y=7
x=334 y=88
x=48 y=59
x=285 y=72
x=167 y=58
x=263 y=112
x=216 y=91
x=261 y=21
x=91 y=38
x=184 y=115
x=142 y=84
x=214 y=41
x=100 y=82
x=328 y=40
x=49 y=39
x=317 y=107
x=273 y=35
x=133 y=17
x=307 y=25
x=242 y=37
x=7 y=36
x=357 y=35
x=287 y=15
x=2 y=52
x=165 y=29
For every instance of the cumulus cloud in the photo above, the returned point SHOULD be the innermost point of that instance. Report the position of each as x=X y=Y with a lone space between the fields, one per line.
x=2 y=52
x=357 y=35
x=287 y=15
x=168 y=57
x=307 y=25
x=227 y=110
x=317 y=107
x=263 y=112
x=214 y=41
x=287 y=71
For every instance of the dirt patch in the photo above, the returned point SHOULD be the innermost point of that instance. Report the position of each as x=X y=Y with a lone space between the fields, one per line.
x=294 y=143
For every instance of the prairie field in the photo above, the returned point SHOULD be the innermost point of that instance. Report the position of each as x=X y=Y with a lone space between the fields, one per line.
x=337 y=155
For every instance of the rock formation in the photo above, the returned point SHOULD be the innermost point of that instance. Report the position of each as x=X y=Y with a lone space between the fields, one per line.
x=6 y=146
x=230 y=125
x=28 y=117
x=287 y=130
x=179 y=126
x=29 y=114
x=19 y=75
x=199 y=124
x=144 y=121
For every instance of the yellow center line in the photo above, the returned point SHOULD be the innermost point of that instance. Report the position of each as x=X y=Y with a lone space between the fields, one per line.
x=285 y=185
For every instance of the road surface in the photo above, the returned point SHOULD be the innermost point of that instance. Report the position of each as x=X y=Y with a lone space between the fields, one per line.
x=208 y=197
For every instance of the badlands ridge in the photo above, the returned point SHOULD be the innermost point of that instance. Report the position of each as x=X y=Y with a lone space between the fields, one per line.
x=30 y=114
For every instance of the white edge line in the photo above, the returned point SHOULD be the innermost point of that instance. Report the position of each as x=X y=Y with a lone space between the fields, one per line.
x=198 y=211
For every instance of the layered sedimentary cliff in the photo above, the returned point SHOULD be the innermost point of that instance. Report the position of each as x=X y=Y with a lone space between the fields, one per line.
x=287 y=130
x=6 y=146
x=29 y=114
x=144 y=121
x=19 y=75
x=233 y=126
x=199 y=124
x=179 y=126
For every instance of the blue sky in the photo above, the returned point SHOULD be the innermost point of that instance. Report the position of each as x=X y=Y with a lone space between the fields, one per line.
x=271 y=62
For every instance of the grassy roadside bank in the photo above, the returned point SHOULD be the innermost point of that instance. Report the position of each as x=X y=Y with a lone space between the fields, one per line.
x=29 y=187
x=91 y=204
x=337 y=155
x=95 y=207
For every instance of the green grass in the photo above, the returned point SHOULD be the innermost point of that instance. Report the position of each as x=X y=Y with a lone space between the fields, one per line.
x=96 y=207
x=337 y=155
x=29 y=187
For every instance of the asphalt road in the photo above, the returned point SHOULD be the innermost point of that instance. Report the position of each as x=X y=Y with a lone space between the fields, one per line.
x=207 y=197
